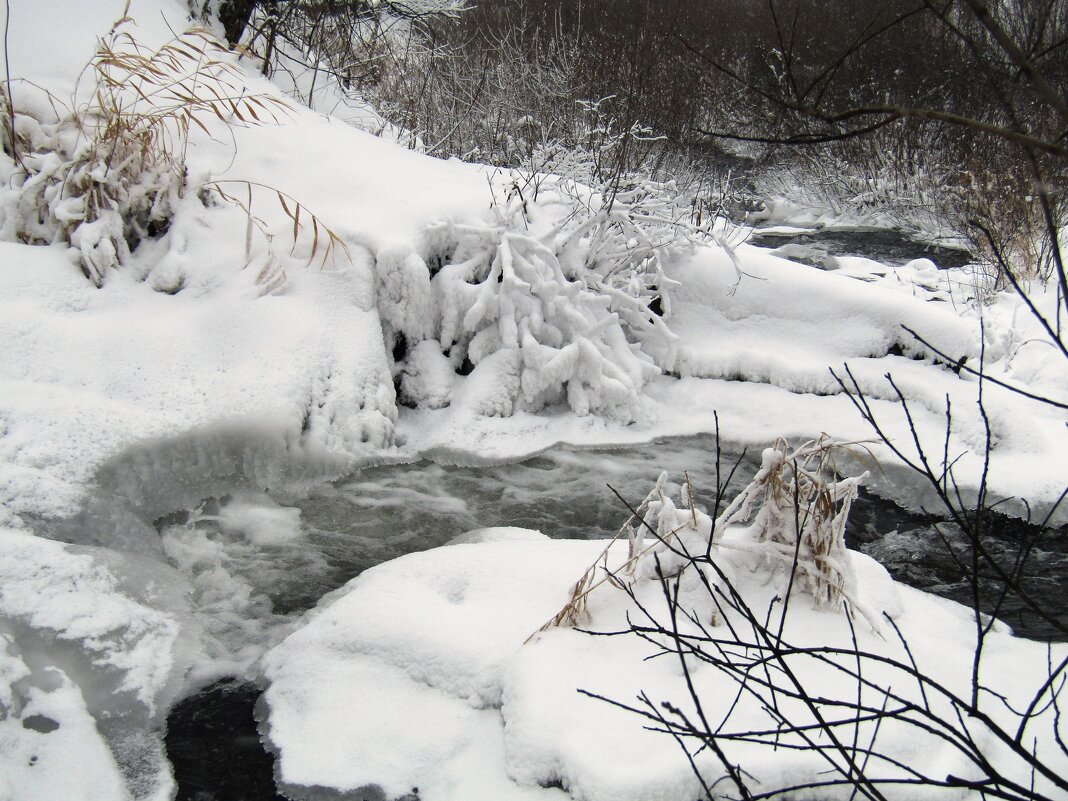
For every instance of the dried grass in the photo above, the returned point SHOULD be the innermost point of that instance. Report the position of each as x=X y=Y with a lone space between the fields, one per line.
x=801 y=507
x=576 y=611
x=324 y=243
x=111 y=170
x=804 y=506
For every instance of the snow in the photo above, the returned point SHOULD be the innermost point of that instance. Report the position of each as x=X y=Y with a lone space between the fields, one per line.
x=225 y=359
x=50 y=41
x=458 y=683
x=298 y=382
x=49 y=744
x=408 y=634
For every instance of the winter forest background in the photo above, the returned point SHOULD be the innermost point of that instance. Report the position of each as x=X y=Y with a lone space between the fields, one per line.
x=533 y=399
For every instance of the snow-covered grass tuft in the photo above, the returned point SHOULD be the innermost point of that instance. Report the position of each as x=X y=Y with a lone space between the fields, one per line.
x=107 y=172
x=576 y=611
x=798 y=531
x=802 y=517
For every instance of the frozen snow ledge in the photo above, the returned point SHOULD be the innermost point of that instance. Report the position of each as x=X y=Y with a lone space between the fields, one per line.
x=149 y=397
x=421 y=673
x=406 y=671
x=159 y=476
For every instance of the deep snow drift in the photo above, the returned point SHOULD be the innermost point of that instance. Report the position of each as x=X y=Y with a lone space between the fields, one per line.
x=226 y=355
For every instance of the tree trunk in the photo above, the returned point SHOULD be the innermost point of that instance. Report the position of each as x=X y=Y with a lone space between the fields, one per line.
x=234 y=16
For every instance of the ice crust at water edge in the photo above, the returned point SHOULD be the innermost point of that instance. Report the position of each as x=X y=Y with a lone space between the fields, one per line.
x=49 y=744
x=97 y=642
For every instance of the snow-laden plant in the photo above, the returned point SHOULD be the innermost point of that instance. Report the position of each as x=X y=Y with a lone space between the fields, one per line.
x=801 y=508
x=108 y=171
x=801 y=520
x=563 y=295
x=566 y=330
x=561 y=300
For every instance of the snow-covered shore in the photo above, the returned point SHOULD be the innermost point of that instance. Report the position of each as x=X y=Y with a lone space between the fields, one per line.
x=424 y=679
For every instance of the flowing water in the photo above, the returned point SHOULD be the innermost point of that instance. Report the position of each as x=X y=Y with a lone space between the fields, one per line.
x=889 y=247
x=290 y=556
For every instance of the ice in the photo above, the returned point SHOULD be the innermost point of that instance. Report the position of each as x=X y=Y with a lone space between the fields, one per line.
x=114 y=634
x=49 y=743
x=125 y=634
x=186 y=397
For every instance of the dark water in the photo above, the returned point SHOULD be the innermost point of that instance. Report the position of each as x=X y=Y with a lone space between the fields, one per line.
x=215 y=748
x=934 y=555
x=891 y=247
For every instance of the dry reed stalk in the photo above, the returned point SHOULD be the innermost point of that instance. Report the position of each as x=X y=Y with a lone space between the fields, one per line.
x=297 y=213
x=575 y=612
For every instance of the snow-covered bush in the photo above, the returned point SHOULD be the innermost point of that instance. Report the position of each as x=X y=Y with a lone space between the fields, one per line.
x=567 y=293
x=565 y=287
x=105 y=171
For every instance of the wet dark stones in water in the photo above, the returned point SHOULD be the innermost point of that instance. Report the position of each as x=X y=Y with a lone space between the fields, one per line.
x=932 y=555
x=215 y=748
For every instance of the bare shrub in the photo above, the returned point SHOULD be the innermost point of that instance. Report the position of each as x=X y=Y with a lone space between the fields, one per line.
x=857 y=707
